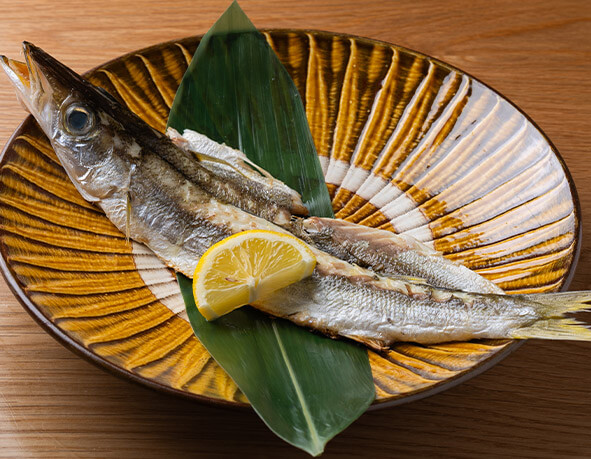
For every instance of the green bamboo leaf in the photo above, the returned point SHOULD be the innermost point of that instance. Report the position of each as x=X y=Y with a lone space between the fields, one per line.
x=305 y=387
x=241 y=95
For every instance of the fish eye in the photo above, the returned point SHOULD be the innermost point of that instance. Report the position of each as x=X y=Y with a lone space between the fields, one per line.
x=79 y=120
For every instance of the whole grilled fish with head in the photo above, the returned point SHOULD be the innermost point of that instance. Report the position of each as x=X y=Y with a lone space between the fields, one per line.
x=122 y=131
x=144 y=189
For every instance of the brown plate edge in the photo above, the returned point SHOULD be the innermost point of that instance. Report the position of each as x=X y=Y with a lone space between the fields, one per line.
x=69 y=343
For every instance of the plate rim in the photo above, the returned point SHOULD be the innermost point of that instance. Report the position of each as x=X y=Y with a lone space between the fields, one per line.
x=77 y=348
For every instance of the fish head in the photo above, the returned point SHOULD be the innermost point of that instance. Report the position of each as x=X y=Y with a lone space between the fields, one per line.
x=85 y=125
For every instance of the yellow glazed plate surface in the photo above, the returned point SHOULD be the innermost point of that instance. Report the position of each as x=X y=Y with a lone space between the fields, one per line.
x=406 y=142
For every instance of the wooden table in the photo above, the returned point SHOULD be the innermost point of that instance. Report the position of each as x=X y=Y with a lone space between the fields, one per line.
x=533 y=404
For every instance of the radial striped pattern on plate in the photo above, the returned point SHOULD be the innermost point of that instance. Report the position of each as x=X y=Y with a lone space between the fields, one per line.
x=406 y=143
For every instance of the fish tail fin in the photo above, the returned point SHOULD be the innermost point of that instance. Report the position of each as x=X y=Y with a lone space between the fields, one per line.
x=553 y=324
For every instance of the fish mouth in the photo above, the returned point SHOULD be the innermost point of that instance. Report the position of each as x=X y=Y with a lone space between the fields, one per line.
x=40 y=78
x=24 y=76
x=17 y=71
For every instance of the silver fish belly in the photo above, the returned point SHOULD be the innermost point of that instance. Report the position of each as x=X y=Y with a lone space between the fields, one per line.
x=177 y=220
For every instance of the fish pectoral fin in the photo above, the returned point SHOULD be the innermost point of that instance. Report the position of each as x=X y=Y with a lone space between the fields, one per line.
x=236 y=167
x=373 y=343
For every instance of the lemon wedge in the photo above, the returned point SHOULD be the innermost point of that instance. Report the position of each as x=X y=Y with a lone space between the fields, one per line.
x=247 y=266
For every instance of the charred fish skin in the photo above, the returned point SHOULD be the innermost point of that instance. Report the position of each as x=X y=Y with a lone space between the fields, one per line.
x=381 y=251
x=392 y=254
x=161 y=208
x=145 y=189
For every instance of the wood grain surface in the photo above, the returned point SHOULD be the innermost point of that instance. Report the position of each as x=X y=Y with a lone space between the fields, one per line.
x=533 y=404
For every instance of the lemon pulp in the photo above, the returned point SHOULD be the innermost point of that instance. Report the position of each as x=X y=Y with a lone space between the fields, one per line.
x=246 y=267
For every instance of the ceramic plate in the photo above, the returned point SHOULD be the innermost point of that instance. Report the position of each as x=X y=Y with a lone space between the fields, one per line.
x=406 y=142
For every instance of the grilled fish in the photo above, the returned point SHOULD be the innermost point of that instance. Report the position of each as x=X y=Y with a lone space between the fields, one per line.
x=160 y=196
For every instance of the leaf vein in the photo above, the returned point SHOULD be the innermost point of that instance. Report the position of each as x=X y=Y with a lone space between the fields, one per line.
x=298 y=390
